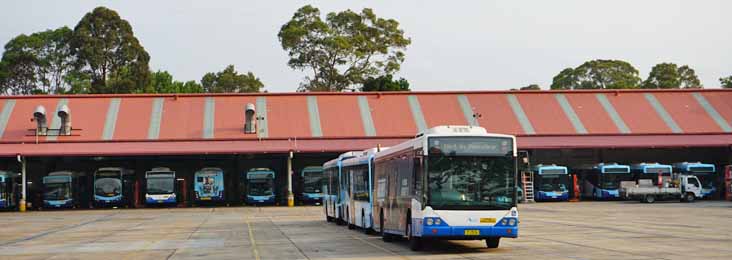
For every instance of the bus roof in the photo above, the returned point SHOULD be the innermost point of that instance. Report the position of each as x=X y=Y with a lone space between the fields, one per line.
x=603 y=167
x=697 y=167
x=644 y=167
x=256 y=170
x=210 y=169
x=550 y=169
x=312 y=169
x=444 y=130
x=343 y=156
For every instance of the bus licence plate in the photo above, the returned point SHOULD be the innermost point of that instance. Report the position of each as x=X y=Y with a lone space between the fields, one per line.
x=487 y=220
x=472 y=232
x=205 y=198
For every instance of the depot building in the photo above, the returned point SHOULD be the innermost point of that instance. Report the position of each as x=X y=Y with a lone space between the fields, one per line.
x=291 y=131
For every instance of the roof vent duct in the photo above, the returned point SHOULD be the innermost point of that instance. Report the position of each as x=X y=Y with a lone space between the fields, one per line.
x=249 y=119
x=40 y=117
x=65 y=114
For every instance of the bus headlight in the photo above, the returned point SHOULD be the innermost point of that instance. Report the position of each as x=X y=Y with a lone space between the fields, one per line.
x=512 y=222
x=438 y=221
x=504 y=221
x=430 y=221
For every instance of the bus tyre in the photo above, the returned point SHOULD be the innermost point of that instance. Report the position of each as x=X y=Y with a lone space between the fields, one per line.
x=689 y=197
x=649 y=199
x=492 y=242
x=415 y=243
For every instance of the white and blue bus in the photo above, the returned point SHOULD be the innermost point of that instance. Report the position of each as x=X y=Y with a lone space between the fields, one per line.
x=602 y=181
x=7 y=190
x=333 y=194
x=61 y=190
x=160 y=187
x=208 y=185
x=450 y=182
x=260 y=186
x=706 y=173
x=551 y=183
x=112 y=186
x=358 y=175
x=651 y=171
x=313 y=181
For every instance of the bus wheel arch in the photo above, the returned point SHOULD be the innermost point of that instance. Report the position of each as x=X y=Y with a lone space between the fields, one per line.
x=415 y=243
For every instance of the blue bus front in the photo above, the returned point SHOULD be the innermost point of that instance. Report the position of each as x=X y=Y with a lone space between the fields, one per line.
x=313 y=181
x=706 y=173
x=260 y=186
x=57 y=192
x=609 y=179
x=551 y=183
x=108 y=187
x=160 y=187
x=209 y=185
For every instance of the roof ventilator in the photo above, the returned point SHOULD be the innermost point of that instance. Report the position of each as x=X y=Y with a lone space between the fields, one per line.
x=249 y=119
x=65 y=114
x=40 y=117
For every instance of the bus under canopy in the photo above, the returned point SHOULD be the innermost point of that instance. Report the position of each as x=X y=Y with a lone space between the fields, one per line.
x=260 y=186
x=551 y=182
x=160 y=186
x=313 y=181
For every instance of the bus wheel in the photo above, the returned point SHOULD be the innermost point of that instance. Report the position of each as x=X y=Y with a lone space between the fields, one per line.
x=649 y=199
x=384 y=236
x=415 y=243
x=492 y=242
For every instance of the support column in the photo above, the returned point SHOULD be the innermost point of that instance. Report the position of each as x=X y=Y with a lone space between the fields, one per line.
x=290 y=196
x=22 y=205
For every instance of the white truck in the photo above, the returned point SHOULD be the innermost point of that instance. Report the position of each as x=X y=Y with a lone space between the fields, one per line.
x=683 y=187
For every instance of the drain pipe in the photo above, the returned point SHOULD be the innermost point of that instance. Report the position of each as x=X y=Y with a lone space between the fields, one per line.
x=290 y=196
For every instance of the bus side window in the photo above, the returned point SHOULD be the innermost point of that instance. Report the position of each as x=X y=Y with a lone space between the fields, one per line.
x=417 y=175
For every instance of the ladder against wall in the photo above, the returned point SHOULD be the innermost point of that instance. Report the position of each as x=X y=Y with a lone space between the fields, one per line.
x=527 y=180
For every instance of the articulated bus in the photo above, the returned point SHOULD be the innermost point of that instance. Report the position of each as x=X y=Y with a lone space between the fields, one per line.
x=602 y=181
x=63 y=189
x=8 y=191
x=112 y=186
x=651 y=171
x=260 y=186
x=334 y=195
x=357 y=175
x=705 y=172
x=551 y=183
x=160 y=187
x=313 y=181
x=208 y=185
x=450 y=182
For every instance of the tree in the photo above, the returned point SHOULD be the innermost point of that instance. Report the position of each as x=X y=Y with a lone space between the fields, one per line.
x=344 y=50
x=688 y=77
x=162 y=82
x=531 y=87
x=37 y=63
x=669 y=75
x=726 y=82
x=598 y=74
x=106 y=49
x=229 y=80
x=663 y=75
x=566 y=79
x=385 y=83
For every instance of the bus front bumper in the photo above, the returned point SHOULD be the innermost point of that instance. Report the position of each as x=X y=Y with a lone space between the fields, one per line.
x=468 y=233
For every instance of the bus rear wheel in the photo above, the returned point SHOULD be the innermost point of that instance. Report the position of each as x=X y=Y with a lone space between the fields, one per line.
x=492 y=242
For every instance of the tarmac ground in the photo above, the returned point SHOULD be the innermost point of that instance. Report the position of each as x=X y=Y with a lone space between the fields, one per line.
x=584 y=230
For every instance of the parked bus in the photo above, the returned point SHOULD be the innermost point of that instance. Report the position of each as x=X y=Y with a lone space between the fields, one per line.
x=313 y=181
x=160 y=187
x=602 y=181
x=651 y=171
x=112 y=186
x=333 y=193
x=8 y=191
x=706 y=173
x=358 y=178
x=450 y=182
x=551 y=183
x=208 y=184
x=260 y=186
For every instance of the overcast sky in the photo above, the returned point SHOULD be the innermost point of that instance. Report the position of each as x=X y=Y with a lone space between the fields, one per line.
x=456 y=45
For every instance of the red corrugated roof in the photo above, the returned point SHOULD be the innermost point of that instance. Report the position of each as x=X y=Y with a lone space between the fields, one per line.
x=345 y=120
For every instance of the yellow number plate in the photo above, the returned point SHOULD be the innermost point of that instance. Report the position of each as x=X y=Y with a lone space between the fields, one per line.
x=472 y=232
x=205 y=198
x=487 y=220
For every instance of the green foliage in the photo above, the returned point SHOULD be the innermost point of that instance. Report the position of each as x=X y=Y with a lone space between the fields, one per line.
x=598 y=74
x=229 y=80
x=162 y=82
x=531 y=87
x=36 y=63
x=669 y=75
x=344 y=50
x=107 y=50
x=726 y=82
x=385 y=83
